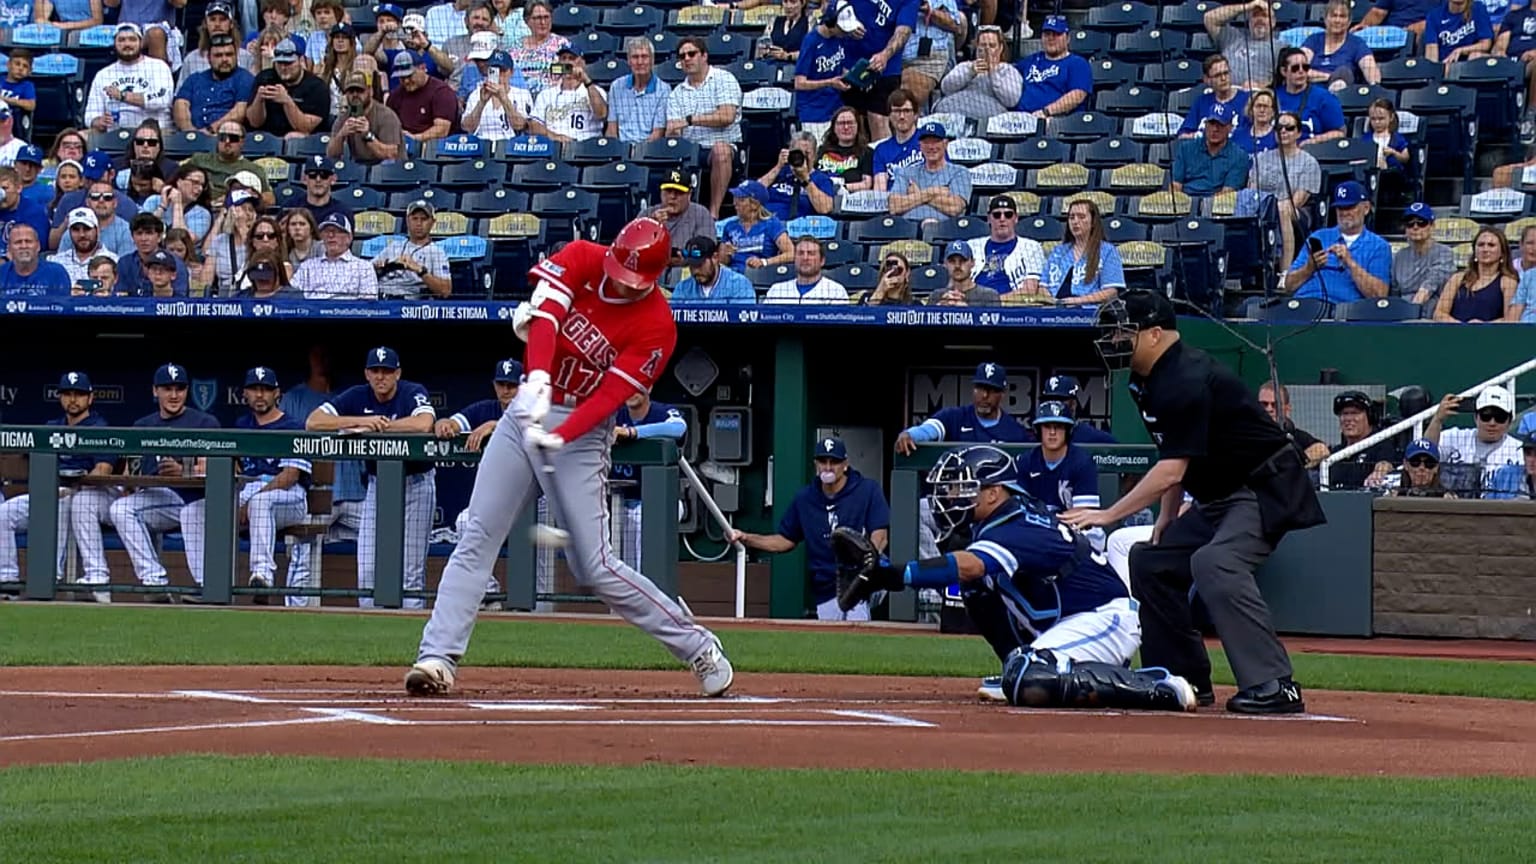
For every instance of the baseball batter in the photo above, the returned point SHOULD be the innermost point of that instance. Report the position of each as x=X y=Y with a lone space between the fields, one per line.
x=388 y=404
x=1059 y=618
x=597 y=333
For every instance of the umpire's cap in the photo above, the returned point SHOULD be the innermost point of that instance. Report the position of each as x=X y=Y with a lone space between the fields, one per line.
x=508 y=371
x=1141 y=309
x=1351 y=399
x=75 y=382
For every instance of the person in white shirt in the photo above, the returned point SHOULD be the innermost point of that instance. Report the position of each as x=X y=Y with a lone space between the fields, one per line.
x=84 y=244
x=134 y=89
x=575 y=109
x=808 y=286
x=10 y=145
x=1489 y=445
x=338 y=274
x=496 y=110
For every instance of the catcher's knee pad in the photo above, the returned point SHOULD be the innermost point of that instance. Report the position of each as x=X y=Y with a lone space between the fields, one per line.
x=1032 y=679
x=992 y=619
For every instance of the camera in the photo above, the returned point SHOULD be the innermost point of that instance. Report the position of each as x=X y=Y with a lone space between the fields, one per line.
x=559 y=68
x=796 y=158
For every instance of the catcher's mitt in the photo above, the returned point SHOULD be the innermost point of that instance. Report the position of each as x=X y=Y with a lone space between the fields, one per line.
x=861 y=569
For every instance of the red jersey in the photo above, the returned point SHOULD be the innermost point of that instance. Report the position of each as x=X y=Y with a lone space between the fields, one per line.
x=607 y=348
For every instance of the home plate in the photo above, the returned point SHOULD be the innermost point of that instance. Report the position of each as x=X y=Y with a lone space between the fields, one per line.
x=532 y=707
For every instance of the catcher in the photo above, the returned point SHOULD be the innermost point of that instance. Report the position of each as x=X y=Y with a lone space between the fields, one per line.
x=1057 y=615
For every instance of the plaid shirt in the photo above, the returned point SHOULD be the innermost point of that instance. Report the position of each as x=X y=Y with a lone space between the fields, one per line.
x=403 y=284
x=638 y=113
x=719 y=88
x=445 y=22
x=345 y=278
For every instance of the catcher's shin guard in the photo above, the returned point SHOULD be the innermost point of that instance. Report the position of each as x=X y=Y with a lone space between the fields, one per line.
x=1031 y=679
x=991 y=617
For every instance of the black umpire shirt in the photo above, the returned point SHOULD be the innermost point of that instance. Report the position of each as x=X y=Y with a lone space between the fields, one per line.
x=1196 y=409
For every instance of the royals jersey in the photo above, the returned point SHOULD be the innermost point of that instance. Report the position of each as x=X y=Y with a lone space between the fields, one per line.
x=268 y=468
x=1043 y=571
x=409 y=399
x=960 y=423
x=477 y=414
x=1071 y=482
x=607 y=348
x=83 y=462
x=660 y=421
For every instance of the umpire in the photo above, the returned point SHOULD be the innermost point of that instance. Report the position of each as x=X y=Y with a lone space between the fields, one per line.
x=1250 y=488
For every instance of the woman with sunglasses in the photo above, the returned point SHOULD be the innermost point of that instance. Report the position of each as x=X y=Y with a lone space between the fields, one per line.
x=184 y=203
x=147 y=145
x=1484 y=290
x=1457 y=30
x=68 y=144
x=266 y=238
x=1421 y=473
x=1258 y=134
x=1292 y=175
x=1322 y=117
x=895 y=286
x=1338 y=57
x=985 y=86
x=1084 y=268
x=1422 y=266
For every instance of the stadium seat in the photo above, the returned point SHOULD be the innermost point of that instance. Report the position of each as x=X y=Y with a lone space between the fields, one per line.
x=1451 y=114
x=763 y=278
x=275 y=169
x=1179 y=101
x=632 y=20
x=958 y=228
x=916 y=252
x=1173 y=75
x=1027 y=203
x=1160 y=206
x=1188 y=17
x=299 y=149
x=1110 y=152
x=969 y=151
x=1129 y=101
x=1357 y=98
x=1378 y=309
x=751 y=74
x=840 y=252
x=1123 y=17
x=360 y=197
x=818 y=226
x=1294 y=310
x=260 y=144
x=1201 y=260
x=449 y=223
x=1159 y=126
x=594 y=151
x=456 y=148
x=1387 y=43
x=374 y=223
x=620 y=187
x=1343 y=159
x=288 y=197
x=182 y=145
x=1119 y=229
x=525 y=148
x=1454 y=230
x=1041 y=228
x=1409 y=73
x=855 y=277
x=926 y=280
x=666 y=153
x=571 y=18
x=1496 y=206
x=882 y=229
x=992 y=177
x=728 y=48
x=1134 y=179
x=519 y=226
x=1500 y=86
x=1102 y=200
x=1150 y=46
x=469 y=266
x=472 y=175
x=371 y=247
x=567 y=214
x=348 y=173
x=1084 y=43
x=440 y=199
x=1037 y=153
x=1011 y=126
x=1297 y=36
x=114 y=141
x=1058 y=179
x=1110 y=75
x=390 y=176
x=61 y=93
x=595 y=45
x=493 y=202
x=1147 y=265
x=34 y=36
x=863 y=204
x=543 y=176
x=697 y=19
x=363 y=19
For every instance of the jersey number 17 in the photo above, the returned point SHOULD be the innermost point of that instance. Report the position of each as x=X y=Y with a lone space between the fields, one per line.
x=576 y=377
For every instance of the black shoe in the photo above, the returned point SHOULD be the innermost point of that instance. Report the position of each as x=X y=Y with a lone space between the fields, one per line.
x=1205 y=698
x=1280 y=696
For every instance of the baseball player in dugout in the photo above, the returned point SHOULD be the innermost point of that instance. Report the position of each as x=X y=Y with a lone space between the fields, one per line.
x=1060 y=620
x=982 y=421
x=1250 y=488
x=598 y=332
x=839 y=498
x=387 y=404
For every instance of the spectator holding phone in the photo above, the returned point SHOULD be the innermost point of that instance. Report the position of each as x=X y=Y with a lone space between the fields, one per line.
x=930 y=53
x=1346 y=262
x=366 y=130
x=1489 y=445
x=895 y=286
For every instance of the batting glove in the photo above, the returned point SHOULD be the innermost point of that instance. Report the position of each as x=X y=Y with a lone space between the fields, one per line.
x=547 y=441
x=532 y=400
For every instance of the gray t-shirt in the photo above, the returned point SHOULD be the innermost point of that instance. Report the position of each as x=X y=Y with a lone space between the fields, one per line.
x=1300 y=168
x=1412 y=271
x=976 y=296
x=1250 y=59
x=695 y=222
x=917 y=176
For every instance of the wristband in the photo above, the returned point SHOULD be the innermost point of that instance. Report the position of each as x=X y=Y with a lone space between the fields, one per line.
x=689 y=119
x=932 y=572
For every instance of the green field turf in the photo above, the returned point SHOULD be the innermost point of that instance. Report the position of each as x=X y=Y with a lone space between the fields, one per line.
x=69 y=634
x=285 y=810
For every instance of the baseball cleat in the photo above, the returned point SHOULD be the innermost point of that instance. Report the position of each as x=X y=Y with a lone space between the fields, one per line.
x=1181 y=691
x=713 y=670
x=991 y=689
x=260 y=582
x=429 y=677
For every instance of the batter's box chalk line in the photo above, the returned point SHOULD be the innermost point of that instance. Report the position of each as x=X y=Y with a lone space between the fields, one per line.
x=1193 y=716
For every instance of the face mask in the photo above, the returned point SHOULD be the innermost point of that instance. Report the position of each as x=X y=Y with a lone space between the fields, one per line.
x=828 y=477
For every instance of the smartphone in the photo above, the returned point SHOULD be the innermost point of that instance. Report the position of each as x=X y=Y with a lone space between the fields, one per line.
x=88 y=286
x=559 y=68
x=354 y=110
x=1314 y=245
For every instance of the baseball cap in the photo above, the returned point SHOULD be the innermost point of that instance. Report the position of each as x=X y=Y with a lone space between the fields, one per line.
x=1419 y=210
x=1422 y=447
x=343 y=29
x=261 y=376
x=1053 y=412
x=751 y=189
x=1056 y=24
x=354 y=81
x=420 y=204
x=171 y=375
x=482 y=45
x=567 y=51
x=1527 y=441
x=831 y=448
x=82 y=216
x=382 y=358
x=846 y=17
x=237 y=197
x=699 y=248
x=389 y=9
x=1496 y=397
x=127 y=27
x=75 y=382
x=1003 y=202
x=95 y=165
x=676 y=181
x=960 y=248
x=285 y=52
x=318 y=164
x=1059 y=387
x=500 y=60
x=161 y=258
x=932 y=130
x=1348 y=194
x=336 y=219
x=991 y=375
x=219 y=7
x=402 y=65
x=414 y=21
x=508 y=371
x=5 y=112
x=1351 y=399
x=247 y=179
x=1221 y=114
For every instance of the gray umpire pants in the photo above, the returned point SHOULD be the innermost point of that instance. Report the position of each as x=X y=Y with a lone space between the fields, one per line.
x=1217 y=547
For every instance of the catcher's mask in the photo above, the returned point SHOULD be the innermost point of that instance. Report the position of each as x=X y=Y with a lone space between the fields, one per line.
x=1121 y=319
x=957 y=479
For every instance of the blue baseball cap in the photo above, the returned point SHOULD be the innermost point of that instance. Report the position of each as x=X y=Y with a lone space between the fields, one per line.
x=1417 y=210
x=500 y=60
x=75 y=382
x=751 y=189
x=991 y=375
x=1348 y=194
x=161 y=258
x=1059 y=387
x=959 y=247
x=30 y=153
x=508 y=371
x=336 y=219
x=240 y=196
x=831 y=448
x=172 y=375
x=932 y=130
x=402 y=65
x=318 y=164
x=382 y=358
x=1422 y=447
x=1527 y=441
x=389 y=9
x=1221 y=114
x=1056 y=24
x=1053 y=412
x=286 y=51
x=261 y=376
x=96 y=165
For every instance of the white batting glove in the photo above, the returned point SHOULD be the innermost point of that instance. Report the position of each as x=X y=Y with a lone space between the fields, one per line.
x=532 y=400
x=547 y=441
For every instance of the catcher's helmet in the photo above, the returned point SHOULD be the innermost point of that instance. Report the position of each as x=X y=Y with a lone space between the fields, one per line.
x=639 y=254
x=1123 y=317
x=960 y=475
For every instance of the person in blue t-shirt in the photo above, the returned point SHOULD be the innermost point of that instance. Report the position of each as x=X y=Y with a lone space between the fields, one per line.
x=1338 y=55
x=218 y=94
x=15 y=209
x=839 y=498
x=1457 y=30
x=755 y=238
x=1219 y=90
x=26 y=274
x=1322 y=117
x=819 y=84
x=795 y=187
x=1351 y=262
x=903 y=147
x=1407 y=14
x=874 y=32
x=29 y=168
x=1056 y=81
x=17 y=89
x=1381 y=130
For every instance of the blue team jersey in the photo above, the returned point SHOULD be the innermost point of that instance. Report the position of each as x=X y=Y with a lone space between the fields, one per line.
x=1321 y=113
x=660 y=421
x=1205 y=102
x=357 y=401
x=1521 y=24
x=880 y=19
x=1046 y=80
x=1043 y=571
x=1072 y=482
x=477 y=414
x=812 y=515
x=250 y=467
x=891 y=154
x=1451 y=30
x=82 y=462
x=761 y=240
x=190 y=418
x=960 y=423
x=820 y=58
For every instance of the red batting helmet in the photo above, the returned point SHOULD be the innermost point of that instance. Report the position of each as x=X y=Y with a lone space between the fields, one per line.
x=640 y=253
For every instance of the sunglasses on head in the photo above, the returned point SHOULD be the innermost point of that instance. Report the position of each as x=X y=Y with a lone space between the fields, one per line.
x=1423 y=462
x=1493 y=415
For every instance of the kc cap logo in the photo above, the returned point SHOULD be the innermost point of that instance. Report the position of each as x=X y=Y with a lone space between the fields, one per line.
x=506 y=367
x=74 y=377
x=379 y=353
x=261 y=373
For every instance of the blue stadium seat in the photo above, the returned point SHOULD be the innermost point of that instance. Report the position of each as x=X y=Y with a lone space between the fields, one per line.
x=1129 y=102
x=632 y=20
x=596 y=45
x=926 y=280
x=855 y=277
x=565 y=213
x=1109 y=75
x=360 y=197
x=525 y=148
x=1497 y=206
x=1041 y=228
x=818 y=226
x=289 y=196
x=1344 y=159
x=349 y=173
x=958 y=228
x=181 y=145
x=1173 y=75
x=1037 y=153
x=605 y=72
x=1356 y=99
x=762 y=278
x=1387 y=43
x=363 y=19
x=619 y=187
x=664 y=43
x=1150 y=46
x=666 y=153
x=594 y=151
x=752 y=74
x=1410 y=73
x=728 y=48
x=1081 y=126
x=1378 y=309
x=402 y=175
x=114 y=141
x=1124 y=17
x=493 y=202
x=37 y=37
x=473 y=175
x=299 y=149
x=1110 y=152
x=1092 y=44
x=440 y=199
x=571 y=18
x=1451 y=114
x=882 y=229
x=1189 y=17
x=1293 y=310
x=543 y=176
x=841 y=252
x=1123 y=229
x=1201 y=260
x=457 y=148
x=1500 y=86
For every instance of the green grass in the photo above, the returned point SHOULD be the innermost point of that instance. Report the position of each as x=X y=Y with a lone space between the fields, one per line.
x=283 y=809
x=65 y=635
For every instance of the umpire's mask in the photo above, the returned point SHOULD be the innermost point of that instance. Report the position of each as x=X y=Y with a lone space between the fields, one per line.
x=1122 y=318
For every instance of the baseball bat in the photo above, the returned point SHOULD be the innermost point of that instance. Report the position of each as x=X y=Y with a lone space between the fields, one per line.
x=547 y=536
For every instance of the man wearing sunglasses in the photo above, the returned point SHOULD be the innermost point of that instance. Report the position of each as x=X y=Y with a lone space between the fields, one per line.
x=1425 y=264
x=709 y=281
x=1488 y=446
x=705 y=108
x=1004 y=261
x=1357 y=422
x=319 y=177
x=227 y=160
x=101 y=198
x=1322 y=117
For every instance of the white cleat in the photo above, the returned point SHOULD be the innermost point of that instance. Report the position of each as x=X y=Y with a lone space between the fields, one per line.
x=713 y=670
x=1181 y=691
x=429 y=677
x=991 y=689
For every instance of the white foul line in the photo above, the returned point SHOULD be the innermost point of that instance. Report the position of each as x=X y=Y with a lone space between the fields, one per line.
x=147 y=730
x=886 y=719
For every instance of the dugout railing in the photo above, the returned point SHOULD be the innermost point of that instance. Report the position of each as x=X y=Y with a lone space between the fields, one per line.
x=659 y=489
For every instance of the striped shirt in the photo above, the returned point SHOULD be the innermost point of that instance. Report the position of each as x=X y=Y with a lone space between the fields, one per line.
x=345 y=278
x=445 y=22
x=76 y=267
x=791 y=292
x=638 y=114
x=718 y=88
